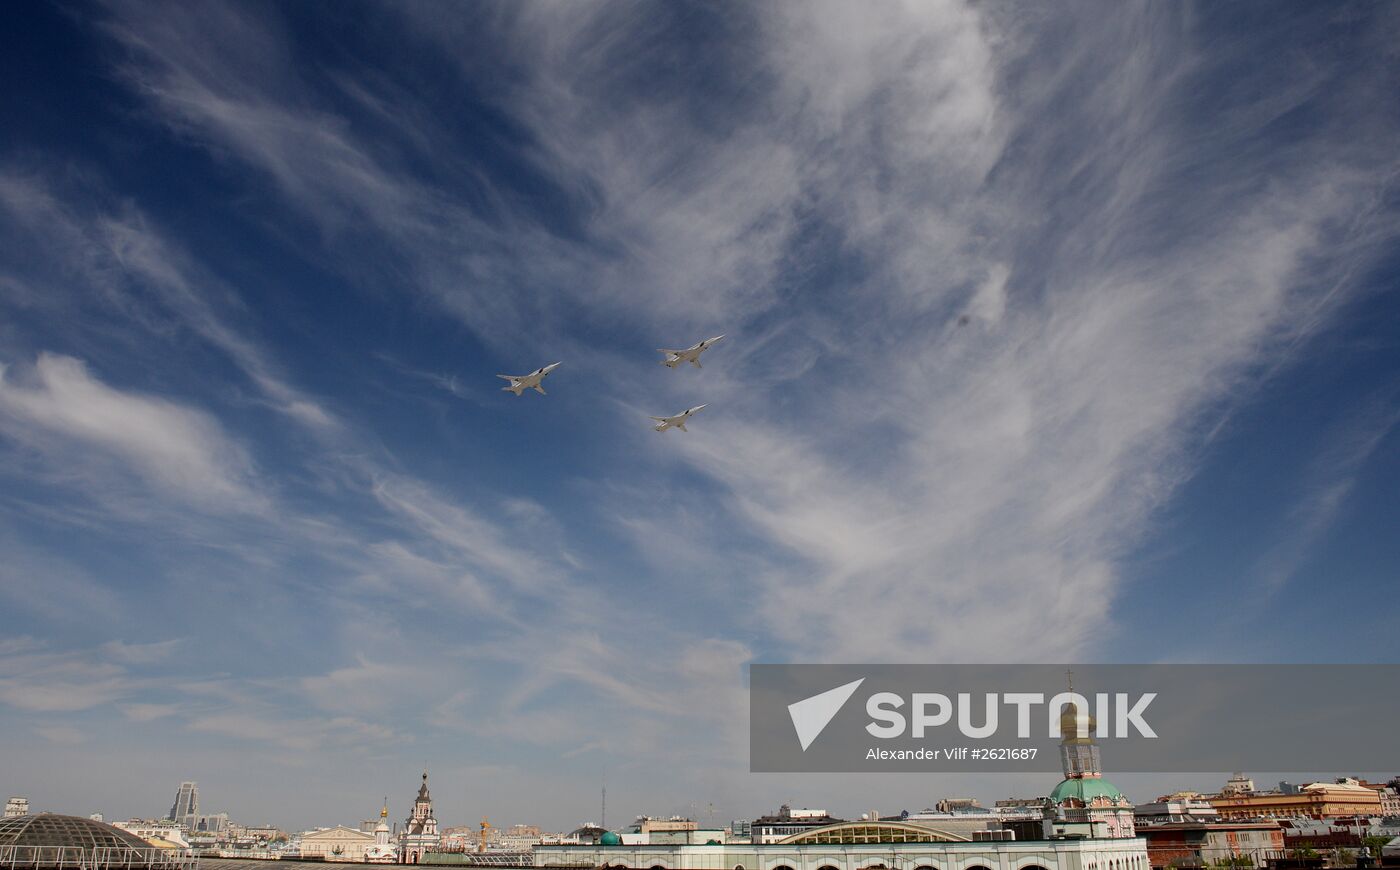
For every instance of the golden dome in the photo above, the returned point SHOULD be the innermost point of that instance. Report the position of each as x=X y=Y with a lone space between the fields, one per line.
x=1076 y=726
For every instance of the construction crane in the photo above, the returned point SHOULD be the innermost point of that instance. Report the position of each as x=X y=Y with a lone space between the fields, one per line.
x=481 y=841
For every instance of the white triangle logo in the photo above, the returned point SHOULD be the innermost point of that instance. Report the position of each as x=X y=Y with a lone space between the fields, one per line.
x=810 y=716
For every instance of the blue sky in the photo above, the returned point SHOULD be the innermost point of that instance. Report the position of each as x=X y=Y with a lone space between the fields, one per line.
x=1052 y=337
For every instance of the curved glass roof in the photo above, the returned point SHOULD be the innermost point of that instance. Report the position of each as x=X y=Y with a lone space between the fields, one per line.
x=874 y=832
x=51 y=829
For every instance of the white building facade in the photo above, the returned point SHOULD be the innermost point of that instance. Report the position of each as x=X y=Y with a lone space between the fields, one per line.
x=151 y=831
x=1068 y=854
x=336 y=844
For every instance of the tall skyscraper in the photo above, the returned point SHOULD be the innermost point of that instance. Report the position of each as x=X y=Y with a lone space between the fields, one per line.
x=185 y=810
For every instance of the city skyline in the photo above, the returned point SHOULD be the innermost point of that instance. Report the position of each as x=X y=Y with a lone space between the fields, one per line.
x=1048 y=338
x=706 y=812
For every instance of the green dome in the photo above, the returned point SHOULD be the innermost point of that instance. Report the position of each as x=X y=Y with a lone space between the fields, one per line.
x=611 y=838
x=1085 y=790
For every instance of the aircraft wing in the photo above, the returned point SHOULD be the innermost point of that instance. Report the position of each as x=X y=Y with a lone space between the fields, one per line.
x=511 y=378
x=661 y=419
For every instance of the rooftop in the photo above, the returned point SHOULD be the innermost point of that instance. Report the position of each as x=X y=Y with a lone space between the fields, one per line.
x=49 y=840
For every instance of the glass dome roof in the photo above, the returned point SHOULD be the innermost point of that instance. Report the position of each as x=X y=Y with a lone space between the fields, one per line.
x=51 y=829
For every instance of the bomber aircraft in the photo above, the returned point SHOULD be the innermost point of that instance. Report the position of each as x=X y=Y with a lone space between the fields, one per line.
x=520 y=383
x=690 y=354
x=677 y=422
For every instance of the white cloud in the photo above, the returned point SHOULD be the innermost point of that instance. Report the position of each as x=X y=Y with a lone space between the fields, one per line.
x=148 y=712
x=967 y=493
x=302 y=735
x=139 y=653
x=131 y=269
x=466 y=536
x=183 y=451
x=49 y=682
x=51 y=587
x=1325 y=485
x=63 y=735
x=992 y=477
x=989 y=302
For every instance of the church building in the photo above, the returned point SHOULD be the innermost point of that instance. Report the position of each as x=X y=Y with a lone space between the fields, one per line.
x=420 y=832
x=1085 y=804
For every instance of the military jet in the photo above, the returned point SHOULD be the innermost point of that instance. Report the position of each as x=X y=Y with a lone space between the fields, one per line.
x=690 y=354
x=677 y=422
x=521 y=383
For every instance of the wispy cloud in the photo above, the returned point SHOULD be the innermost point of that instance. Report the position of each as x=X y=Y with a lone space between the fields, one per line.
x=174 y=447
x=1324 y=486
x=1027 y=323
x=140 y=653
x=128 y=267
x=50 y=682
x=61 y=734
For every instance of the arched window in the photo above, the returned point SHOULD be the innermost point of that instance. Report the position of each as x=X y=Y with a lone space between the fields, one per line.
x=826 y=867
x=782 y=867
x=1032 y=867
x=977 y=867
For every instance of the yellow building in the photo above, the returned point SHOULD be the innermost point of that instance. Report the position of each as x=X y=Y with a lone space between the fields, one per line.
x=1321 y=800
